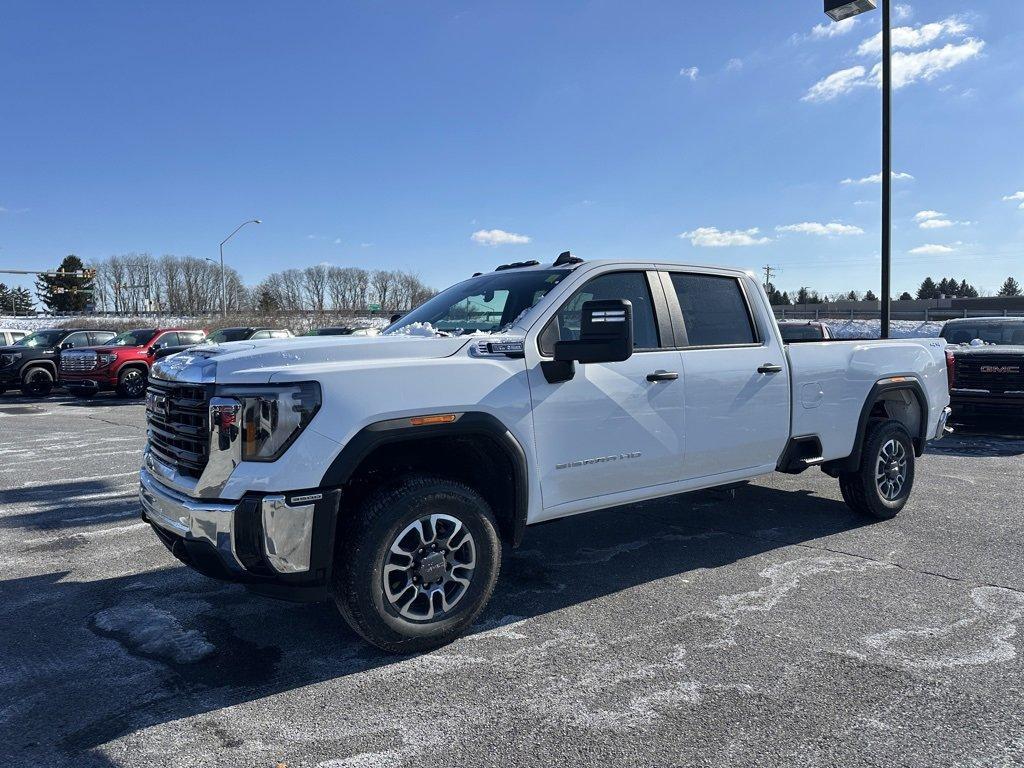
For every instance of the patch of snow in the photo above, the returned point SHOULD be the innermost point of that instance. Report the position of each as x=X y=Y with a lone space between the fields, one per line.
x=898 y=329
x=149 y=631
x=416 y=329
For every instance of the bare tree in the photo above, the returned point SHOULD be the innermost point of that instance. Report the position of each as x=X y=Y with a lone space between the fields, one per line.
x=315 y=285
x=383 y=283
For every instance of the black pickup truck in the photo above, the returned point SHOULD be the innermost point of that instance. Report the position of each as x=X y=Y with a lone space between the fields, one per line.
x=985 y=360
x=31 y=363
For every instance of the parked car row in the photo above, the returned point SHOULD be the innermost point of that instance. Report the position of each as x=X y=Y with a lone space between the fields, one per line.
x=86 y=361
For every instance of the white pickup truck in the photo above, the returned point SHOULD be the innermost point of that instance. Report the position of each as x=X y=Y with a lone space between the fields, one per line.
x=386 y=472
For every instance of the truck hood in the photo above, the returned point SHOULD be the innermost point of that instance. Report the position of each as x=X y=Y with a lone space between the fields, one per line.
x=255 y=362
x=103 y=350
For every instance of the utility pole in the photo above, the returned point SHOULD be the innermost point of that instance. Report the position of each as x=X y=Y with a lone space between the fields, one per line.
x=769 y=273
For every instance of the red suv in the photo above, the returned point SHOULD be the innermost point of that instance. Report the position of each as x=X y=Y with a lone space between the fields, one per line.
x=122 y=364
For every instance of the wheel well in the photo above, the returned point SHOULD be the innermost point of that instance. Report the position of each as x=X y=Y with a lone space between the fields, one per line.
x=903 y=406
x=477 y=460
x=134 y=364
x=47 y=364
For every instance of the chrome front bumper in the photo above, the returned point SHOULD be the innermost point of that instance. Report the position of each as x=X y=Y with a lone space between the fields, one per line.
x=286 y=529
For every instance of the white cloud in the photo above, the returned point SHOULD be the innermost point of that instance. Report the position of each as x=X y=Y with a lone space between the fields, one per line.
x=909 y=65
x=1015 y=197
x=864 y=202
x=908 y=68
x=931 y=250
x=832 y=229
x=734 y=65
x=833 y=29
x=836 y=84
x=712 y=237
x=927 y=215
x=337 y=241
x=914 y=37
x=903 y=12
x=498 y=237
x=936 y=224
x=876 y=178
x=690 y=72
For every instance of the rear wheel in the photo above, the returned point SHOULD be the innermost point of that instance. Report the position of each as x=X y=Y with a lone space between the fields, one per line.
x=882 y=485
x=131 y=382
x=37 y=382
x=418 y=565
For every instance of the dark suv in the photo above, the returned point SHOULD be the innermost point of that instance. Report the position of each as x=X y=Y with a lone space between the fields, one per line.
x=31 y=363
x=985 y=361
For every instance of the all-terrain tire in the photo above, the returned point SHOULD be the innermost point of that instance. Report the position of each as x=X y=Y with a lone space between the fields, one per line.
x=37 y=382
x=881 y=486
x=131 y=382
x=365 y=547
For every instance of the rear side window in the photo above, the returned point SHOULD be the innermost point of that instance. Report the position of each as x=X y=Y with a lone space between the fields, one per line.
x=101 y=337
x=190 y=337
x=714 y=310
x=631 y=286
x=76 y=340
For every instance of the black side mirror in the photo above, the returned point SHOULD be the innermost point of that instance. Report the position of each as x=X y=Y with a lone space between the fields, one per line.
x=395 y=318
x=606 y=334
x=68 y=345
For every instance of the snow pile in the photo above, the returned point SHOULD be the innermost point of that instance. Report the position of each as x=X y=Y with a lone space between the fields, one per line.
x=415 y=329
x=149 y=631
x=898 y=329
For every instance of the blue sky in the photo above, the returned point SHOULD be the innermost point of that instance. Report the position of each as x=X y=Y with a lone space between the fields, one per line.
x=448 y=137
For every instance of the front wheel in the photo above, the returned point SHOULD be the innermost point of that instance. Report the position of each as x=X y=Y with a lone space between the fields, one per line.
x=131 y=382
x=881 y=486
x=418 y=564
x=37 y=382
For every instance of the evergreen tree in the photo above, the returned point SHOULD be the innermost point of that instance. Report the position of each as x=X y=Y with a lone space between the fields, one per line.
x=1010 y=288
x=905 y=296
x=852 y=296
x=966 y=290
x=5 y=299
x=928 y=289
x=65 y=292
x=870 y=296
x=803 y=296
x=21 y=301
x=785 y=298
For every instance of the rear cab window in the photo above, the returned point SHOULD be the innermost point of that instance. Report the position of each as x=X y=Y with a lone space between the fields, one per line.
x=714 y=310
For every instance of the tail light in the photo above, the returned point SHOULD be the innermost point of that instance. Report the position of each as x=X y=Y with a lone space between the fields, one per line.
x=950 y=368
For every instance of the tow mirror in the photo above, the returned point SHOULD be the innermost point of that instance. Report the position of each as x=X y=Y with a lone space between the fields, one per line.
x=606 y=334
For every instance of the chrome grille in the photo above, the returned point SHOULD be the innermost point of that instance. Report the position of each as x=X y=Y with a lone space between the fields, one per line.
x=78 y=361
x=994 y=372
x=178 y=419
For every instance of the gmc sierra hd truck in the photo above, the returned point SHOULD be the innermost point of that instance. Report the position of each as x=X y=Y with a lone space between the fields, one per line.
x=387 y=472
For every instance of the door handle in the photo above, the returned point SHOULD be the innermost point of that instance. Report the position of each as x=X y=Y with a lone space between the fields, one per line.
x=770 y=368
x=662 y=376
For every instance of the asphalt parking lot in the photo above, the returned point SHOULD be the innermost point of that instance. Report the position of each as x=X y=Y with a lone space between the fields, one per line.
x=770 y=627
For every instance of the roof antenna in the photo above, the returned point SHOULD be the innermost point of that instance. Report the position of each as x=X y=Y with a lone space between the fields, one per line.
x=566 y=257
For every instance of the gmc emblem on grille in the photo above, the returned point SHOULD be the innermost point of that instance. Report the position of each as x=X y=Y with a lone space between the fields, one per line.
x=1000 y=369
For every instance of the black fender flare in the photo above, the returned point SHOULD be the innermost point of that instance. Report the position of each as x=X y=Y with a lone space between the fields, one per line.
x=912 y=385
x=469 y=423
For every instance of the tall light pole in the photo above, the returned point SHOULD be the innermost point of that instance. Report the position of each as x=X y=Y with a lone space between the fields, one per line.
x=223 y=279
x=838 y=10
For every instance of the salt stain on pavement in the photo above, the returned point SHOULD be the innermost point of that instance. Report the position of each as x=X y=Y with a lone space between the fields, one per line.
x=145 y=630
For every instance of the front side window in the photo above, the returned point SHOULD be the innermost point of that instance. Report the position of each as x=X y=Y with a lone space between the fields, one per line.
x=486 y=303
x=714 y=310
x=631 y=286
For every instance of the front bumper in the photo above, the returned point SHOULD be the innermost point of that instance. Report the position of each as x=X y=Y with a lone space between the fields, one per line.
x=981 y=401
x=278 y=544
x=98 y=381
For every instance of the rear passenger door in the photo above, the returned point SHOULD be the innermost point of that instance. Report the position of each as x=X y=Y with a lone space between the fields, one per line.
x=734 y=371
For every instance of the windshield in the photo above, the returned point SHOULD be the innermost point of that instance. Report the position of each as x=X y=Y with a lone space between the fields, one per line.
x=228 y=334
x=990 y=333
x=132 y=338
x=41 y=339
x=486 y=303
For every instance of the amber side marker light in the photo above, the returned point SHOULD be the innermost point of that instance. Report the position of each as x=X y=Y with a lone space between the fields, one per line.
x=439 y=418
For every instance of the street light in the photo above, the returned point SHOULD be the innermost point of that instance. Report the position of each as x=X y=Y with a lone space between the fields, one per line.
x=223 y=280
x=838 y=10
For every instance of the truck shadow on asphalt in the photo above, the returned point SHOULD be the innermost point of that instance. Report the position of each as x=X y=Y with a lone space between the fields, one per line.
x=76 y=504
x=88 y=662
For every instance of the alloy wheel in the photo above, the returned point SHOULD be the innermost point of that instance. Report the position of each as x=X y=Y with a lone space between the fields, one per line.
x=891 y=470
x=429 y=567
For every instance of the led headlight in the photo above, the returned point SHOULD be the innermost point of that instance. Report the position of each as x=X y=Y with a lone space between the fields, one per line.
x=272 y=416
x=108 y=358
x=9 y=358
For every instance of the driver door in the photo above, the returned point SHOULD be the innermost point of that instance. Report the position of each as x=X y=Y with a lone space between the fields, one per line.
x=613 y=428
